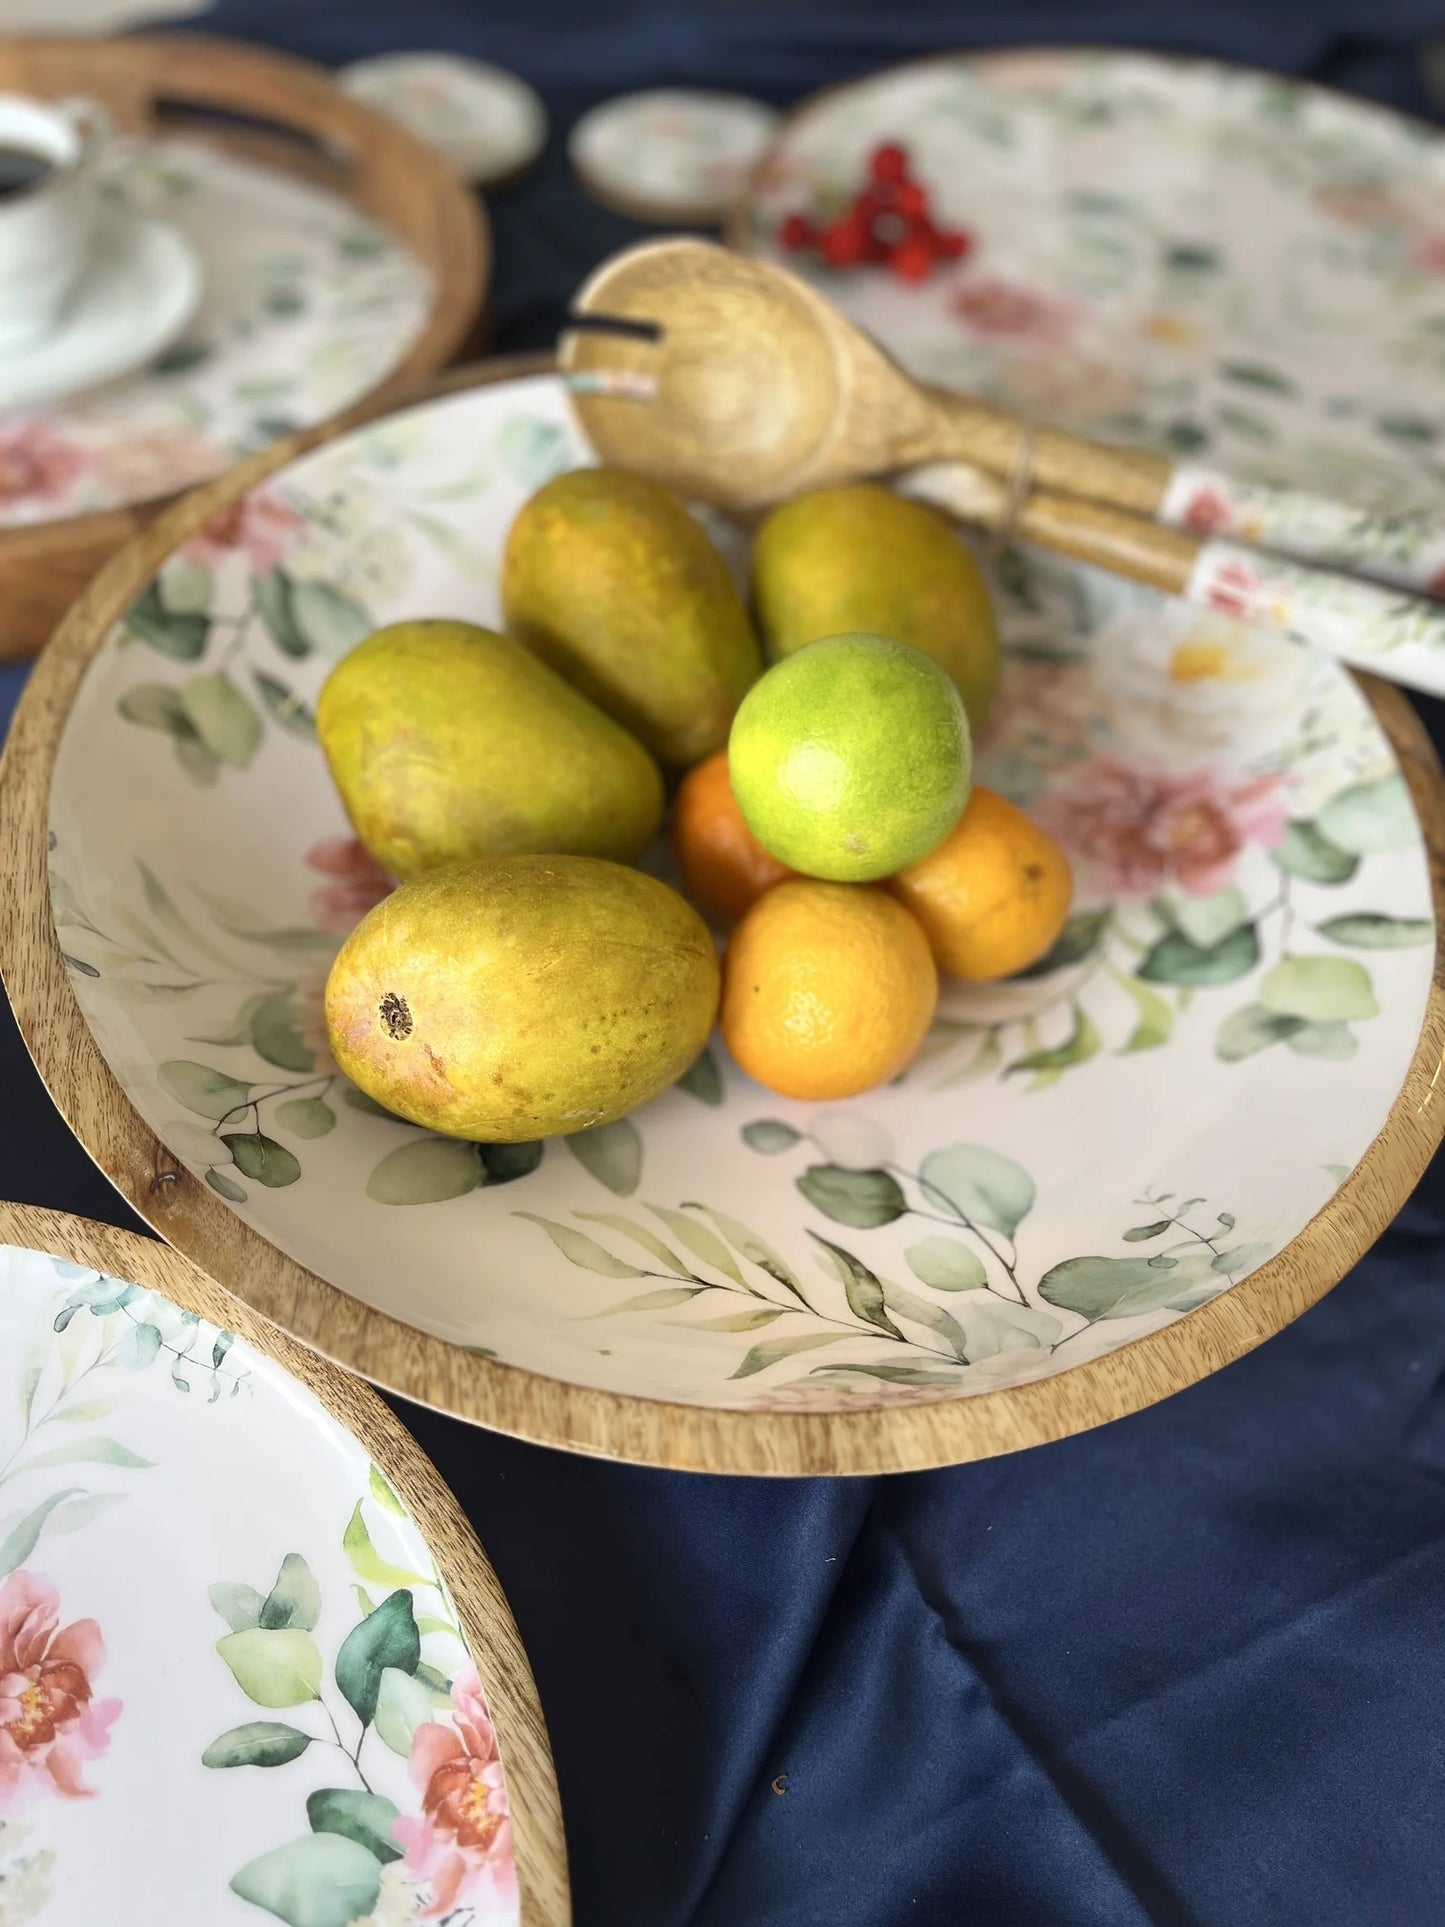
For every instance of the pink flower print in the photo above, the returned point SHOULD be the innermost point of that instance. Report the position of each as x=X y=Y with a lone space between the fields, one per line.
x=1005 y=311
x=260 y=525
x=309 y=1005
x=1047 y=714
x=1029 y=72
x=1429 y=253
x=49 y=1721
x=1208 y=510
x=1140 y=828
x=1061 y=381
x=157 y=461
x=356 y=884
x=38 y=463
x=1358 y=204
x=1436 y=584
x=461 y=1842
x=1233 y=589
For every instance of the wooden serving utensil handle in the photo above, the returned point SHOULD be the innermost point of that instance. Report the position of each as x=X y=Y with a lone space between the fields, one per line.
x=1404 y=546
x=970 y=430
x=1396 y=635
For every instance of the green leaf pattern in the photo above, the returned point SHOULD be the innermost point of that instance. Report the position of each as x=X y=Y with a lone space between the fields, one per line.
x=361 y=1712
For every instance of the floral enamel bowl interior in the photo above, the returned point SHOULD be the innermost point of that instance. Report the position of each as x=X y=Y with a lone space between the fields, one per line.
x=1077 y=1159
x=233 y=1683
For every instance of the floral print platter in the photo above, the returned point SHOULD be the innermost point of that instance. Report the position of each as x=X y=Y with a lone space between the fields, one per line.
x=174 y=1504
x=1076 y=1158
x=308 y=304
x=1243 y=271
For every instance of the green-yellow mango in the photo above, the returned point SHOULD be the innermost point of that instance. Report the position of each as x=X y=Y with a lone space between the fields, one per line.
x=523 y=996
x=449 y=742
x=860 y=557
x=610 y=580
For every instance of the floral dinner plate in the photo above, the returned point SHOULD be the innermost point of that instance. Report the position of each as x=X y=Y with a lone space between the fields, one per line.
x=234 y=1683
x=1243 y=270
x=1078 y=1158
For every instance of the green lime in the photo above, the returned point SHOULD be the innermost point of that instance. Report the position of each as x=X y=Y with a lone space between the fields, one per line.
x=851 y=758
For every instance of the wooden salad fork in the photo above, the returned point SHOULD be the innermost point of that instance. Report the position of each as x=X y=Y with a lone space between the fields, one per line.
x=735 y=383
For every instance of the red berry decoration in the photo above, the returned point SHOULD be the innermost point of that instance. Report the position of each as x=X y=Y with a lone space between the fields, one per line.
x=889 y=162
x=888 y=223
x=845 y=243
x=912 y=260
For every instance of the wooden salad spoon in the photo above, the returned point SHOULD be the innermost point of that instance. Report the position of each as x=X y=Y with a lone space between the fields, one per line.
x=735 y=383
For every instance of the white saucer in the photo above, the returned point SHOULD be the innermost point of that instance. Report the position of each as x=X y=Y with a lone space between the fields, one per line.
x=139 y=295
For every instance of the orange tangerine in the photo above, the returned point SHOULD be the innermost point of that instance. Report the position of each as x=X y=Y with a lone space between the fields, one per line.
x=995 y=893
x=724 y=867
x=828 y=989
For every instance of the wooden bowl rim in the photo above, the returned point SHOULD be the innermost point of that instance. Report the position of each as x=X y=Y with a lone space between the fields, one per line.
x=582 y=1418
x=486 y=1618
x=454 y=245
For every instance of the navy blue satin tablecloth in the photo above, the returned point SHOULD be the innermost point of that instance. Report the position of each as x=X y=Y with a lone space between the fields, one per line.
x=1189 y=1668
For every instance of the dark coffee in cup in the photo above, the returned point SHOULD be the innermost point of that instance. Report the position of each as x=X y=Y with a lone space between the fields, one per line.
x=49 y=206
x=22 y=170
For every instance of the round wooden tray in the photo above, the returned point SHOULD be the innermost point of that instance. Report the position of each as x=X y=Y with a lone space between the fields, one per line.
x=481 y=1605
x=290 y=115
x=616 y=1425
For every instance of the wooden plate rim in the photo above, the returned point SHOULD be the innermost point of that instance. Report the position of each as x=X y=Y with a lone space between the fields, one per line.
x=581 y=1418
x=486 y=1618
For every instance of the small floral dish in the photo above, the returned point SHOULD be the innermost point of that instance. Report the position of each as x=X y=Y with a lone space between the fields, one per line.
x=1106 y=1153
x=1244 y=271
x=673 y=154
x=178 y=1504
x=488 y=124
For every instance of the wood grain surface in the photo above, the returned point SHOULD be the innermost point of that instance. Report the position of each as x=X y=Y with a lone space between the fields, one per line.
x=481 y=1604
x=766 y=389
x=580 y=1418
x=289 y=114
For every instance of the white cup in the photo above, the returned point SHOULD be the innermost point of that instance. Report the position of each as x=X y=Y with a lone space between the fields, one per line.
x=48 y=231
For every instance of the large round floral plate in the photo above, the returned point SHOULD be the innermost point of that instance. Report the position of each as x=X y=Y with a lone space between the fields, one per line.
x=235 y=1682
x=1076 y=1160
x=1243 y=270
